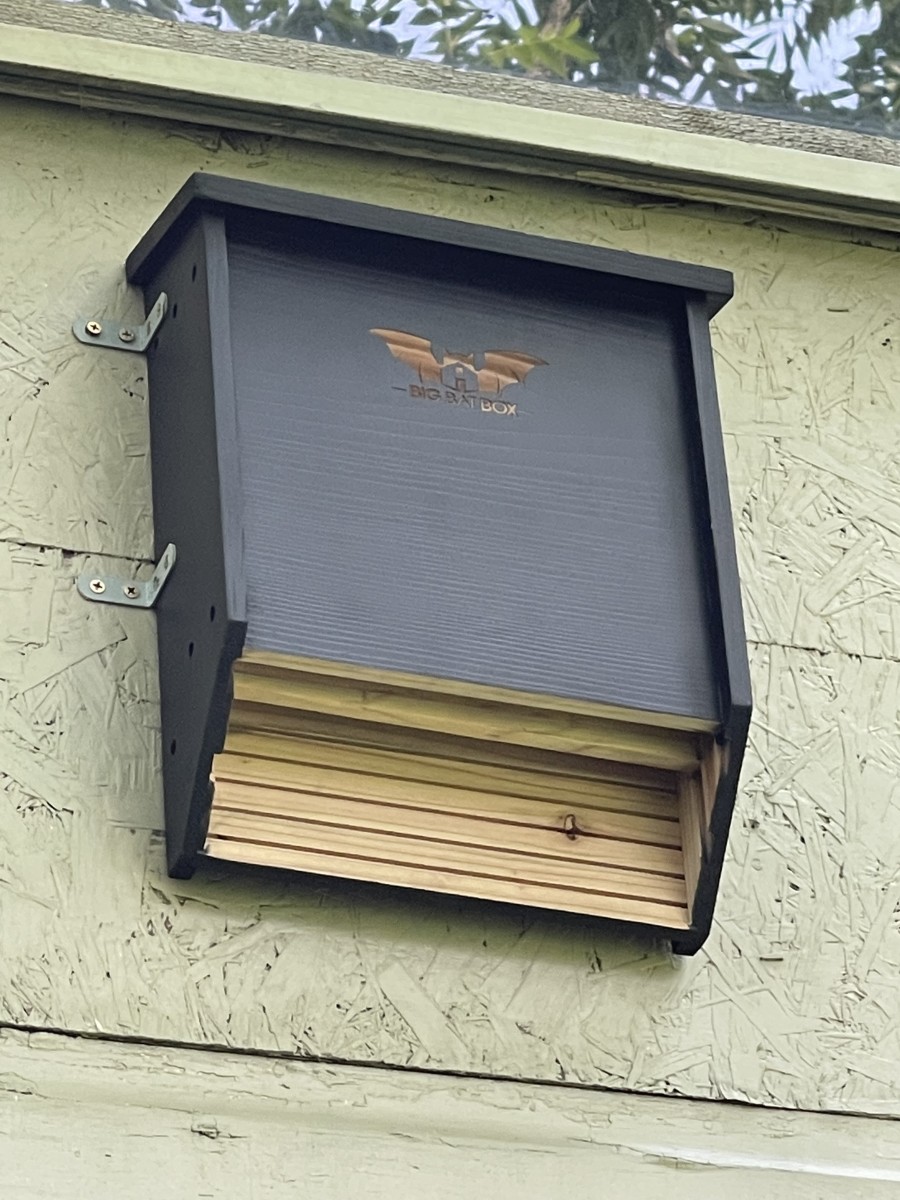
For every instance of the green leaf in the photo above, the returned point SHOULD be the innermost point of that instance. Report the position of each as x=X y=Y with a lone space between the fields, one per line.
x=428 y=16
x=715 y=26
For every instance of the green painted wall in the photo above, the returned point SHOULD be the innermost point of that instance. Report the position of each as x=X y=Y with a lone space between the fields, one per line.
x=793 y=1001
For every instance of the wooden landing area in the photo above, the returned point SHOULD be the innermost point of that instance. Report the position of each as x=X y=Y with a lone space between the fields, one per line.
x=402 y=782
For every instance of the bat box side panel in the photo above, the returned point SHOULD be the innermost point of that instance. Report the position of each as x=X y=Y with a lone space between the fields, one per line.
x=730 y=638
x=196 y=504
x=465 y=465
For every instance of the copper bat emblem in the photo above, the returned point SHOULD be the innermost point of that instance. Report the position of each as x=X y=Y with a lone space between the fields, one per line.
x=501 y=367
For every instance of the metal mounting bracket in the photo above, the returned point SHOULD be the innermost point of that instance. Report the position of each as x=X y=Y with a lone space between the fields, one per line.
x=136 y=593
x=95 y=332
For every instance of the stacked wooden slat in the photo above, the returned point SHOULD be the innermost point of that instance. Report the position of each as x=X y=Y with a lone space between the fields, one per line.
x=371 y=781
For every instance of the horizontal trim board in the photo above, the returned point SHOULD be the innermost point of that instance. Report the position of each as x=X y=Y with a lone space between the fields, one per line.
x=219 y=90
x=108 y=1093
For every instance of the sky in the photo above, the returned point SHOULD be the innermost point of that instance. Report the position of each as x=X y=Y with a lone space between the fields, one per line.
x=820 y=75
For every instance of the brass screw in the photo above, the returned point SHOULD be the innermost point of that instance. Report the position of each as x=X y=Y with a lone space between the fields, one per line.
x=131 y=590
x=126 y=335
x=94 y=328
x=97 y=586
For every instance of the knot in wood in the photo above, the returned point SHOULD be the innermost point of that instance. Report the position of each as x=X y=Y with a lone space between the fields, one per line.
x=570 y=827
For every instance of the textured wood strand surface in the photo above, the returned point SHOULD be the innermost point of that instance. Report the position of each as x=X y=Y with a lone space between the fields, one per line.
x=792 y=1002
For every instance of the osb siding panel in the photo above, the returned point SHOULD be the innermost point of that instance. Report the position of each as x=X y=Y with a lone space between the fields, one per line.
x=180 y=1124
x=793 y=1000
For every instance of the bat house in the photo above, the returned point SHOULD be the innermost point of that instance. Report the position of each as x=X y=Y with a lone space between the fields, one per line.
x=455 y=604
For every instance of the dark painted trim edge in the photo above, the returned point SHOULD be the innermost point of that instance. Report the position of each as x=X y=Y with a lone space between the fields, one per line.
x=737 y=700
x=211 y=192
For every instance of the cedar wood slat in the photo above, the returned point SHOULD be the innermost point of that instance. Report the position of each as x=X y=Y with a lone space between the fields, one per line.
x=588 y=845
x=509 y=891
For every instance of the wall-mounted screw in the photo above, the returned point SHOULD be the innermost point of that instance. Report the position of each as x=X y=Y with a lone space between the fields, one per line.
x=97 y=586
x=94 y=328
x=570 y=827
x=126 y=335
x=131 y=590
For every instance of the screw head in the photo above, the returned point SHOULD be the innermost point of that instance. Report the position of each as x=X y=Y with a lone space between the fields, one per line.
x=131 y=590
x=97 y=586
x=94 y=328
x=126 y=335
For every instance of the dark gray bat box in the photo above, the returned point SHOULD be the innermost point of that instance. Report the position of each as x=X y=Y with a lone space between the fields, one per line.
x=455 y=604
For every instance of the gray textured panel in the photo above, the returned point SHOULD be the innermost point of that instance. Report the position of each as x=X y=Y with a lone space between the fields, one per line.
x=554 y=550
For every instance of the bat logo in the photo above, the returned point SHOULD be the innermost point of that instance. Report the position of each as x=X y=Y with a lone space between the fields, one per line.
x=500 y=369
